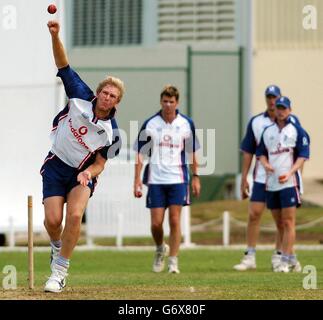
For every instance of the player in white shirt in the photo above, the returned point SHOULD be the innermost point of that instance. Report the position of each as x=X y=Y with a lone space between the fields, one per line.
x=283 y=149
x=257 y=203
x=84 y=136
x=168 y=138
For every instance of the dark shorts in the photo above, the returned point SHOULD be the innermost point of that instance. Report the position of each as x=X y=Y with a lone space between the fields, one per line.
x=165 y=195
x=258 y=192
x=59 y=178
x=286 y=198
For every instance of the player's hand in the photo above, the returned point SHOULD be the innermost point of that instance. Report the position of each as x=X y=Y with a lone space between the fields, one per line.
x=244 y=189
x=196 y=186
x=137 y=189
x=53 y=27
x=269 y=168
x=284 y=177
x=84 y=178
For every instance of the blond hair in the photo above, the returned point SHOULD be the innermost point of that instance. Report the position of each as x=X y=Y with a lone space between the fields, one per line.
x=113 y=81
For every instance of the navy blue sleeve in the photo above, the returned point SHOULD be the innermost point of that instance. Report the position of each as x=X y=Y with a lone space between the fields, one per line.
x=74 y=86
x=143 y=143
x=192 y=143
x=294 y=120
x=261 y=149
x=302 y=143
x=60 y=115
x=249 y=144
x=111 y=151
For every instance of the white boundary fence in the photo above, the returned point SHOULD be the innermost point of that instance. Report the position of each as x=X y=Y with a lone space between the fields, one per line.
x=114 y=212
x=11 y=230
x=226 y=221
x=131 y=218
x=128 y=218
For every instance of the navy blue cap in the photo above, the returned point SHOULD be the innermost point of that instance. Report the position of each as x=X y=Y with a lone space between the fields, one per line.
x=284 y=102
x=272 y=91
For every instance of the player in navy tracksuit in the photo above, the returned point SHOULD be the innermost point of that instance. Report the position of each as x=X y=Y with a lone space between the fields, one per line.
x=84 y=135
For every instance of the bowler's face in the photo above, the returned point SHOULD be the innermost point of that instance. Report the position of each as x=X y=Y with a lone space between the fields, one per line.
x=282 y=113
x=168 y=104
x=108 y=98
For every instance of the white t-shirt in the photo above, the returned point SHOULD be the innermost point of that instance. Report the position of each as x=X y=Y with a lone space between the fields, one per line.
x=168 y=146
x=251 y=141
x=79 y=134
x=283 y=147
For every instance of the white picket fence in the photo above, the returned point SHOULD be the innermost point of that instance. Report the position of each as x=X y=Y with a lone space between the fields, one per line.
x=114 y=212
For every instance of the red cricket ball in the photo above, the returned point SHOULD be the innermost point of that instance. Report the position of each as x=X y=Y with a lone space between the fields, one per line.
x=51 y=9
x=280 y=178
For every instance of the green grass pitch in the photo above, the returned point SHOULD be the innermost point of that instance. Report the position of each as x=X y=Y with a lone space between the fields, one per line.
x=206 y=274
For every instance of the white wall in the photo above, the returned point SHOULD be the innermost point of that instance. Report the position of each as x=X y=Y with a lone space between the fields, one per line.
x=28 y=102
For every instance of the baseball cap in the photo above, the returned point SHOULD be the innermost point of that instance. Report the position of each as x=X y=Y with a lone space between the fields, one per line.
x=284 y=102
x=272 y=91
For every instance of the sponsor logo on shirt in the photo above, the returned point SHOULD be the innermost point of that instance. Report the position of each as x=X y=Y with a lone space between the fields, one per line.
x=279 y=150
x=167 y=138
x=79 y=133
x=167 y=142
x=83 y=131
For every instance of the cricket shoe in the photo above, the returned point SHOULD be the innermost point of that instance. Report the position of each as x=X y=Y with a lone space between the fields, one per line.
x=283 y=267
x=275 y=261
x=248 y=262
x=288 y=267
x=57 y=281
x=173 y=266
x=296 y=267
x=159 y=261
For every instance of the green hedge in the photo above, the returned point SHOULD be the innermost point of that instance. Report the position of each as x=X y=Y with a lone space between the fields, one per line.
x=216 y=188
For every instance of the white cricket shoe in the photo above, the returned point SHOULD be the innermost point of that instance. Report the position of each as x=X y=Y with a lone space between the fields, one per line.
x=284 y=267
x=247 y=262
x=173 y=266
x=275 y=261
x=54 y=253
x=159 y=261
x=288 y=267
x=296 y=267
x=57 y=280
